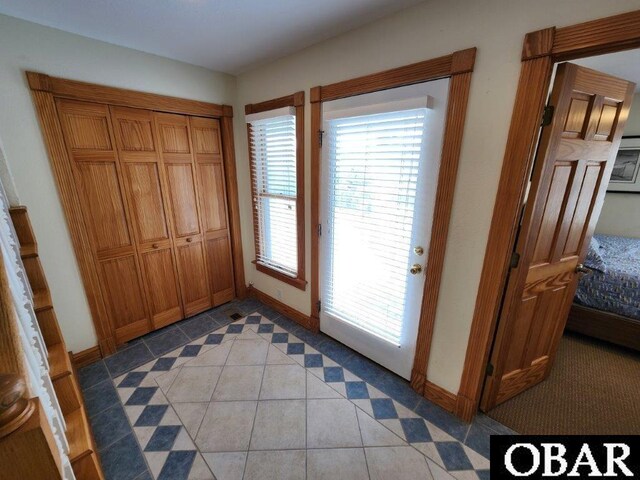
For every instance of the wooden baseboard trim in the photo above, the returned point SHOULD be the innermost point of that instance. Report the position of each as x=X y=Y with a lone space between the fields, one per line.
x=465 y=408
x=440 y=396
x=86 y=357
x=277 y=305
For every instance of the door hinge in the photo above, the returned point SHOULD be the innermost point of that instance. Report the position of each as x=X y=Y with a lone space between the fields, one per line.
x=515 y=260
x=319 y=306
x=547 y=115
x=319 y=229
x=320 y=136
x=489 y=369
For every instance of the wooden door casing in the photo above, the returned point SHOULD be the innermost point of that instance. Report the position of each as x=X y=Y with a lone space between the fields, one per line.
x=145 y=189
x=88 y=135
x=174 y=141
x=575 y=158
x=207 y=148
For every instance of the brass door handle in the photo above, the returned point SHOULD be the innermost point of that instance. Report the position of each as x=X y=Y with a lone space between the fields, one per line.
x=155 y=245
x=415 y=269
x=580 y=268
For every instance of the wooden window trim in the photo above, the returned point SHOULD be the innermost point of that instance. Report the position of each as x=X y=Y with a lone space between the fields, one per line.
x=457 y=66
x=45 y=90
x=541 y=50
x=294 y=100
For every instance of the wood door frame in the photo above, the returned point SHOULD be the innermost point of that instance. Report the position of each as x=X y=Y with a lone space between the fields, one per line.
x=294 y=100
x=458 y=67
x=45 y=90
x=541 y=50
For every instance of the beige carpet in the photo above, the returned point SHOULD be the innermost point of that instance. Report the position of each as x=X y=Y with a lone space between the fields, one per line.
x=594 y=388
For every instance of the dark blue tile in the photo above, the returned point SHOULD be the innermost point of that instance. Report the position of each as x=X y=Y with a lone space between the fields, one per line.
x=141 y=396
x=415 y=430
x=191 y=351
x=266 y=328
x=133 y=379
x=478 y=439
x=109 y=426
x=483 y=474
x=198 y=326
x=163 y=364
x=253 y=320
x=178 y=465
x=100 y=397
x=333 y=374
x=313 y=360
x=363 y=367
x=280 y=337
x=295 y=348
x=125 y=360
x=397 y=388
x=162 y=438
x=453 y=456
x=269 y=312
x=151 y=415
x=442 y=419
x=123 y=460
x=383 y=408
x=308 y=336
x=161 y=331
x=214 y=339
x=357 y=390
x=145 y=476
x=248 y=306
x=235 y=328
x=162 y=344
x=493 y=425
x=285 y=323
x=92 y=374
x=334 y=350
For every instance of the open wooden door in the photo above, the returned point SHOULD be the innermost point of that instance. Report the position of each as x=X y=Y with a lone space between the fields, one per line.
x=570 y=176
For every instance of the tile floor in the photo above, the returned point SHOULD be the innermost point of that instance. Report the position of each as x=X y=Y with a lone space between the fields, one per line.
x=263 y=398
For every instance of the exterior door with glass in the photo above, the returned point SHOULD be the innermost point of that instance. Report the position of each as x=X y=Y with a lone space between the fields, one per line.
x=380 y=161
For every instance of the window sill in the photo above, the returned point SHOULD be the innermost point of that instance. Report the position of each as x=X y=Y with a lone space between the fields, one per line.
x=299 y=283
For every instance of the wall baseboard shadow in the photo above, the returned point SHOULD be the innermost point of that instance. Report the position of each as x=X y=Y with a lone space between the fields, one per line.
x=86 y=357
x=277 y=305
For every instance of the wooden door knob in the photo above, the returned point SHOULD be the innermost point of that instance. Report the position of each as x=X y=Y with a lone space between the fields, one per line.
x=189 y=240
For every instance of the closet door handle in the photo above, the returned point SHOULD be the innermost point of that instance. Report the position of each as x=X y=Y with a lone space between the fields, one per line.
x=155 y=245
x=189 y=240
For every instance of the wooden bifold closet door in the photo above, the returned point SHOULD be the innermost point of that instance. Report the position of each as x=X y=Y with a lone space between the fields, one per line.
x=152 y=192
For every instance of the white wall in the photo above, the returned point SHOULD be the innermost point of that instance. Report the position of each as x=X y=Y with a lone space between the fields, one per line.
x=497 y=28
x=621 y=211
x=26 y=46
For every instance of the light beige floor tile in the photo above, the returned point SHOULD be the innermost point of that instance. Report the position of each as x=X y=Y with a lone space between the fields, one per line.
x=194 y=384
x=438 y=472
x=398 y=463
x=332 y=464
x=279 y=425
x=156 y=460
x=248 y=352
x=238 y=382
x=226 y=427
x=276 y=357
x=283 y=381
x=200 y=470
x=165 y=380
x=332 y=423
x=276 y=465
x=374 y=434
x=191 y=415
x=215 y=357
x=316 y=388
x=226 y=465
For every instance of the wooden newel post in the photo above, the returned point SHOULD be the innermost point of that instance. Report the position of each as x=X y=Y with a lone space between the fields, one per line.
x=27 y=447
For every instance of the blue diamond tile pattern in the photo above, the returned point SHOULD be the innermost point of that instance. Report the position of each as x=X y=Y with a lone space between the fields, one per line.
x=172 y=452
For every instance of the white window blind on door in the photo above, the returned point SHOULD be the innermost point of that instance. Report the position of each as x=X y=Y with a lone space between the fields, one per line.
x=273 y=169
x=373 y=166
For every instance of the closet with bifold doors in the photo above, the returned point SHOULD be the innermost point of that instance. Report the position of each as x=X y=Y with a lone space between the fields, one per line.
x=152 y=194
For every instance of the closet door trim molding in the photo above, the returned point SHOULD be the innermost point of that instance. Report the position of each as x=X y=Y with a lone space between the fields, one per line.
x=45 y=90
x=457 y=66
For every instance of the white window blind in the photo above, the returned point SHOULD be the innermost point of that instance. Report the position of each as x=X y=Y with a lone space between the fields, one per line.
x=373 y=163
x=273 y=155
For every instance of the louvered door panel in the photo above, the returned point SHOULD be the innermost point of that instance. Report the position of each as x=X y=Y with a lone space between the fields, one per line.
x=205 y=133
x=88 y=135
x=142 y=175
x=182 y=195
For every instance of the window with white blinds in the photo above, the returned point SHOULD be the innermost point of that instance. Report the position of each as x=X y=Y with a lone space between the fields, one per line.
x=373 y=163
x=273 y=171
